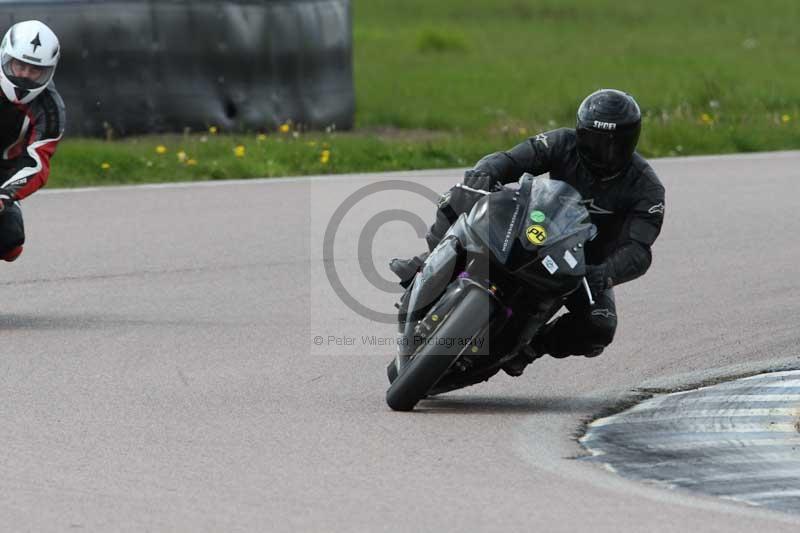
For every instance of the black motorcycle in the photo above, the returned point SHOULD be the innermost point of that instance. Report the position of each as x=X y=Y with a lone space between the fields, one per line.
x=498 y=275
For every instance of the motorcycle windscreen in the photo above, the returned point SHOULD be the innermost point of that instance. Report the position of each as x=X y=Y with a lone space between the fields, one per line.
x=516 y=224
x=495 y=221
x=549 y=250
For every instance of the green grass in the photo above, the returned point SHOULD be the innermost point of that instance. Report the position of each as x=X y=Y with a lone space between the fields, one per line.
x=468 y=77
x=83 y=162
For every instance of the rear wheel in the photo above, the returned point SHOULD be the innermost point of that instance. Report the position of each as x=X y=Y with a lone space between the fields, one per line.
x=469 y=319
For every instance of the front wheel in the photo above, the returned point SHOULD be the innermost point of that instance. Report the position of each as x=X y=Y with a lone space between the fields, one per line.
x=468 y=320
x=391 y=371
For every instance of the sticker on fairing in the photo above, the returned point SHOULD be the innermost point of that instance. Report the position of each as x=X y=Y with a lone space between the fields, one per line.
x=570 y=259
x=537 y=216
x=550 y=265
x=536 y=234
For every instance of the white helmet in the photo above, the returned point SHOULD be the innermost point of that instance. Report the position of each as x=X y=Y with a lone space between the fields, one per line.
x=29 y=54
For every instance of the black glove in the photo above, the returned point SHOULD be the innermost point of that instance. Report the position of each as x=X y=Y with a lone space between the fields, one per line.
x=598 y=279
x=479 y=179
x=6 y=200
x=406 y=269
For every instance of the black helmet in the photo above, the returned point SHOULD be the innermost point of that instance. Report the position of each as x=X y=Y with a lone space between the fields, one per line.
x=609 y=123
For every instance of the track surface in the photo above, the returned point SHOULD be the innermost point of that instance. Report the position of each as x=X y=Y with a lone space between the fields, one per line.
x=159 y=371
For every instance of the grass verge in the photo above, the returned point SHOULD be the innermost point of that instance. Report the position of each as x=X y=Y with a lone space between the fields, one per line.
x=440 y=84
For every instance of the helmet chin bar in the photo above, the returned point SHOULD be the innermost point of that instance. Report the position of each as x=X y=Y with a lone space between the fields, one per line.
x=21 y=93
x=609 y=178
x=15 y=94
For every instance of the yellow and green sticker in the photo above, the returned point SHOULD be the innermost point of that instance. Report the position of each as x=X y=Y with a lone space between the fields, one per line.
x=536 y=234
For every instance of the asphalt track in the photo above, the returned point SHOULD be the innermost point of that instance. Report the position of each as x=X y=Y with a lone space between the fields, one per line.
x=160 y=373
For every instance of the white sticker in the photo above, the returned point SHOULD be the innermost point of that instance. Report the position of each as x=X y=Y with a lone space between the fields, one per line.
x=550 y=265
x=570 y=259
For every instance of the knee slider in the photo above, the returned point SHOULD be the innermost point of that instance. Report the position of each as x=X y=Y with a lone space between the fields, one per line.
x=595 y=351
x=604 y=325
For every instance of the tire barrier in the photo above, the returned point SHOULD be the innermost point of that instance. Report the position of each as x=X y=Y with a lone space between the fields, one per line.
x=151 y=66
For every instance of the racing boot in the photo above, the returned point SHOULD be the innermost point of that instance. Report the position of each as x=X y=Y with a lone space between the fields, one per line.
x=536 y=348
x=406 y=269
x=515 y=366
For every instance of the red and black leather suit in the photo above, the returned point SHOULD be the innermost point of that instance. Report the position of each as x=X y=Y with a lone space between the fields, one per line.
x=29 y=135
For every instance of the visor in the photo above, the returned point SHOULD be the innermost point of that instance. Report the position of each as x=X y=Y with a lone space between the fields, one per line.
x=25 y=75
x=607 y=152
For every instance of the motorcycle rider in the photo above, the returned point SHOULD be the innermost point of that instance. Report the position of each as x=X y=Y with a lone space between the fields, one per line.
x=32 y=114
x=625 y=200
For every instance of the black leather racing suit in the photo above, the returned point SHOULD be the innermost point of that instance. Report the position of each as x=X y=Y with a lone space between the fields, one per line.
x=628 y=211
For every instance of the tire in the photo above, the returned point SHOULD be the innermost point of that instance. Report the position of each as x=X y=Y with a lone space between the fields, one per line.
x=391 y=371
x=432 y=360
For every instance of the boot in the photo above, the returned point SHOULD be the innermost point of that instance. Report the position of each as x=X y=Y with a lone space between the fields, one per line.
x=515 y=366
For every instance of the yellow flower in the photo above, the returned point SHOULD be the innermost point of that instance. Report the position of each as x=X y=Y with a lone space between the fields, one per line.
x=213 y=130
x=312 y=144
x=181 y=156
x=325 y=157
x=706 y=118
x=786 y=118
x=161 y=149
x=105 y=166
x=239 y=151
x=261 y=137
x=191 y=162
x=523 y=131
x=285 y=127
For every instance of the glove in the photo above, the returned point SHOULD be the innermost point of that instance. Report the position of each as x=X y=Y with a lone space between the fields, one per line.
x=598 y=279
x=478 y=179
x=6 y=200
x=406 y=269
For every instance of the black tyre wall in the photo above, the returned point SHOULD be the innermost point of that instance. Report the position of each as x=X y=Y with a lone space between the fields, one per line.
x=142 y=66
